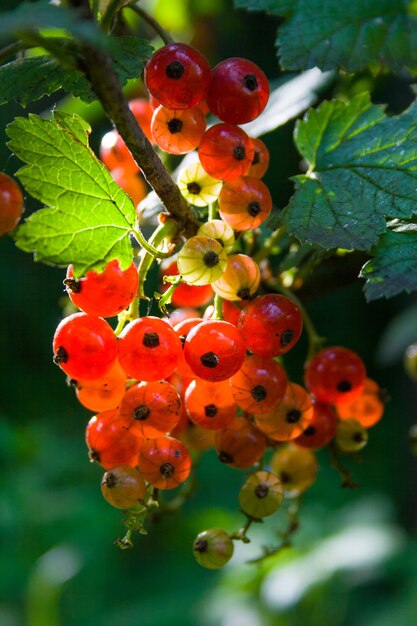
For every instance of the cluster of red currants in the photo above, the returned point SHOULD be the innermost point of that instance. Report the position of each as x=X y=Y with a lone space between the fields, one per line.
x=165 y=389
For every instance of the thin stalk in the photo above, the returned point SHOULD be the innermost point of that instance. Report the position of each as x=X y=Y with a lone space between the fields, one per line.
x=166 y=37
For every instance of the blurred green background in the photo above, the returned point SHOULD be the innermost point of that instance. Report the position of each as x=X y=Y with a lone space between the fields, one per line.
x=354 y=560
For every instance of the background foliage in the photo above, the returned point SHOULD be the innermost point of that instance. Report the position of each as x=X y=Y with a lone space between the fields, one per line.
x=353 y=561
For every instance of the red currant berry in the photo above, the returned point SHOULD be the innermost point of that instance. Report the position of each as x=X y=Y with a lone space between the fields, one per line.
x=114 y=153
x=270 y=325
x=259 y=385
x=151 y=409
x=260 y=161
x=178 y=131
x=103 y=294
x=178 y=76
x=123 y=487
x=143 y=111
x=214 y=350
x=109 y=442
x=84 y=346
x=164 y=462
x=102 y=394
x=210 y=405
x=290 y=417
x=232 y=310
x=240 y=444
x=239 y=91
x=335 y=374
x=149 y=349
x=11 y=204
x=182 y=329
x=131 y=182
x=321 y=429
x=367 y=408
x=226 y=152
x=245 y=203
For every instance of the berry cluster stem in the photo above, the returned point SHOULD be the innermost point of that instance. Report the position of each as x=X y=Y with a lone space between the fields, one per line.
x=166 y=37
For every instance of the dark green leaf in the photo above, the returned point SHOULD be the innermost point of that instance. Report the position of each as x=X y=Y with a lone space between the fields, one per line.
x=361 y=170
x=29 y=79
x=89 y=218
x=394 y=266
x=342 y=33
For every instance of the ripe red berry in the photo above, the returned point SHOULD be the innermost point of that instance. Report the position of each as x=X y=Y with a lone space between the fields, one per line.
x=226 y=152
x=164 y=462
x=290 y=417
x=259 y=385
x=178 y=131
x=178 y=76
x=143 y=110
x=102 y=394
x=321 y=429
x=151 y=409
x=239 y=91
x=240 y=444
x=335 y=374
x=367 y=408
x=149 y=349
x=270 y=325
x=245 y=203
x=103 y=294
x=109 y=442
x=260 y=161
x=210 y=405
x=84 y=346
x=214 y=350
x=182 y=329
x=114 y=153
x=132 y=183
x=11 y=204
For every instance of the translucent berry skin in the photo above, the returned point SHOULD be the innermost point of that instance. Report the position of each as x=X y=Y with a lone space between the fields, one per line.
x=290 y=417
x=367 y=408
x=186 y=295
x=149 y=349
x=335 y=374
x=151 y=409
x=219 y=230
x=296 y=467
x=210 y=405
x=351 y=436
x=226 y=152
x=261 y=158
x=270 y=325
x=240 y=280
x=214 y=350
x=240 y=444
x=239 y=91
x=213 y=548
x=109 y=442
x=259 y=386
x=84 y=346
x=103 y=294
x=321 y=429
x=261 y=495
x=201 y=260
x=178 y=76
x=232 y=310
x=123 y=487
x=102 y=394
x=11 y=204
x=178 y=131
x=182 y=329
x=245 y=203
x=164 y=462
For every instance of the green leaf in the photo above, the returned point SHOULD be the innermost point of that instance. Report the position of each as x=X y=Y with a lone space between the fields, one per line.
x=341 y=33
x=89 y=218
x=29 y=79
x=362 y=169
x=394 y=266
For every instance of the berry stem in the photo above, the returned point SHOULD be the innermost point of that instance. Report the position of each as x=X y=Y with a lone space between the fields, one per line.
x=98 y=68
x=166 y=37
x=217 y=308
x=212 y=211
x=165 y=299
x=345 y=476
x=242 y=534
x=160 y=254
x=286 y=535
x=166 y=231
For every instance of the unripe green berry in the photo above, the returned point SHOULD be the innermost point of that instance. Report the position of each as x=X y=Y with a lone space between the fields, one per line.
x=261 y=495
x=213 y=548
